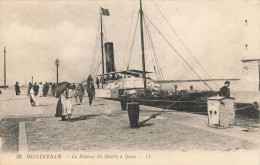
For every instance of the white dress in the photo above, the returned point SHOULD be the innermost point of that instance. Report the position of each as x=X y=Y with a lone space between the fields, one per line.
x=32 y=95
x=69 y=101
x=40 y=89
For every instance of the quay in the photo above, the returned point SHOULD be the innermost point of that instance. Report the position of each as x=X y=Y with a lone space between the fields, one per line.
x=104 y=126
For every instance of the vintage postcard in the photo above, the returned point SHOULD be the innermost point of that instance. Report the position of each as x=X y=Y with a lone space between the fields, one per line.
x=97 y=82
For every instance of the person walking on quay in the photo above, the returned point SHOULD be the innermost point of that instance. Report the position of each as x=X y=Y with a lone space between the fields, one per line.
x=91 y=92
x=61 y=105
x=92 y=87
x=45 y=89
x=225 y=91
x=97 y=82
x=29 y=88
x=49 y=92
x=32 y=96
x=40 y=89
x=79 y=93
x=53 y=89
x=69 y=97
x=89 y=80
x=17 y=88
x=36 y=88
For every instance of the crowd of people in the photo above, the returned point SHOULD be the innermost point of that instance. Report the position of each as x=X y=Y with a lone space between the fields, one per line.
x=41 y=90
x=107 y=78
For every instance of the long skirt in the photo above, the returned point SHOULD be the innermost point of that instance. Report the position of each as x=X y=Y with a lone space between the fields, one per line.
x=61 y=107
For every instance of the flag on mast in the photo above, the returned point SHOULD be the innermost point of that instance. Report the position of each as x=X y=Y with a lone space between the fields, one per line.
x=105 y=11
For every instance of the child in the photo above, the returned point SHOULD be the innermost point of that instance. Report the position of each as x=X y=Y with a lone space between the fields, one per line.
x=69 y=103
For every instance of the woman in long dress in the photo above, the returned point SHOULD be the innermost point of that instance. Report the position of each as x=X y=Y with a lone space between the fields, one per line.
x=32 y=97
x=40 y=89
x=61 y=109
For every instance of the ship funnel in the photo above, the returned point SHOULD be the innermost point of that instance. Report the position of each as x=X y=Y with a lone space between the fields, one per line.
x=110 y=65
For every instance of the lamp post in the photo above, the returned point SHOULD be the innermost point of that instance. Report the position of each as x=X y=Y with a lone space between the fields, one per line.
x=32 y=80
x=57 y=63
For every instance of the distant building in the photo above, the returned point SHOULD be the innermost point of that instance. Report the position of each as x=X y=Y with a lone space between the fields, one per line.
x=251 y=75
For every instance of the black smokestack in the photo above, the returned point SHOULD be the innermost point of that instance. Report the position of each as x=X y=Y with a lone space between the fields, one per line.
x=110 y=65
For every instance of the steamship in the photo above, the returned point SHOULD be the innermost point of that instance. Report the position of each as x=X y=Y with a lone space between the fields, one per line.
x=137 y=83
x=132 y=82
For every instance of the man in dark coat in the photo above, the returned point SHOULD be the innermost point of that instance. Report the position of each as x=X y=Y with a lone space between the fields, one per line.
x=53 y=89
x=225 y=91
x=89 y=80
x=45 y=89
x=79 y=93
x=29 y=87
x=91 y=92
x=97 y=82
x=17 y=88
x=36 y=88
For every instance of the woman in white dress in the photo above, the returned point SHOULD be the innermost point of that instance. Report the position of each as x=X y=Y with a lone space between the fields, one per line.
x=40 y=89
x=32 y=97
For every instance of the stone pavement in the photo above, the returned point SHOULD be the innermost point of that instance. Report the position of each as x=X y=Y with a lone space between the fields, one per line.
x=104 y=126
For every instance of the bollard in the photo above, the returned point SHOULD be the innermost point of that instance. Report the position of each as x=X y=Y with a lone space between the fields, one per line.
x=123 y=101
x=133 y=113
x=221 y=112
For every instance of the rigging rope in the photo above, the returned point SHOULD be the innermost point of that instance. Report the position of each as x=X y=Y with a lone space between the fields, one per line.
x=95 y=48
x=184 y=43
x=95 y=54
x=150 y=41
x=177 y=52
x=155 y=54
x=129 y=31
x=131 y=49
x=157 y=74
x=120 y=59
x=154 y=115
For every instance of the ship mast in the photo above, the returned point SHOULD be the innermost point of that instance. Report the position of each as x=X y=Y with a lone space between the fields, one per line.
x=142 y=44
x=101 y=35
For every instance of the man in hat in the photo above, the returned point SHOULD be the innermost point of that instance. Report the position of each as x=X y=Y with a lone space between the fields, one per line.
x=89 y=80
x=91 y=92
x=17 y=88
x=225 y=91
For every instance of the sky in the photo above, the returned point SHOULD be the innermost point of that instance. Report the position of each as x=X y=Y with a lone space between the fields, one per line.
x=36 y=33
